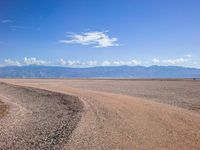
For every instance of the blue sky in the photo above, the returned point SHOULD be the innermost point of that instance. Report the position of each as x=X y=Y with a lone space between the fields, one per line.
x=107 y=32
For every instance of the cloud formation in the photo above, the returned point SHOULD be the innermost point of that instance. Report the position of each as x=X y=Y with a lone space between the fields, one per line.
x=34 y=61
x=155 y=60
x=175 y=61
x=63 y=62
x=98 y=39
x=26 y=61
x=10 y=62
x=68 y=63
x=76 y=63
x=182 y=61
x=121 y=63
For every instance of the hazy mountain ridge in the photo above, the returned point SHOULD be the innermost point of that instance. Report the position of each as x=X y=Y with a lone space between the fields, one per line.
x=98 y=72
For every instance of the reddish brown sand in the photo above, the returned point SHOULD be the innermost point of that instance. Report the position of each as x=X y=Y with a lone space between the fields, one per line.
x=124 y=114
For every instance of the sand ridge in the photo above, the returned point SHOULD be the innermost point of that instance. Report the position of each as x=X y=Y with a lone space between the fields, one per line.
x=37 y=119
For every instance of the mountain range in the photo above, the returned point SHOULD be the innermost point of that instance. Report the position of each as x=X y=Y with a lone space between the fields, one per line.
x=99 y=72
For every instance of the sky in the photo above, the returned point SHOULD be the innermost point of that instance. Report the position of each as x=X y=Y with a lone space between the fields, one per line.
x=77 y=33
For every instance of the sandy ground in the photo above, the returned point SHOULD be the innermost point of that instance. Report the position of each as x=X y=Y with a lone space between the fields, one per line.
x=126 y=115
x=181 y=93
x=3 y=109
x=37 y=119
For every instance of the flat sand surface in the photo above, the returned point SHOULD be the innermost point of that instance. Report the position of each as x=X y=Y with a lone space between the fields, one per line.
x=130 y=114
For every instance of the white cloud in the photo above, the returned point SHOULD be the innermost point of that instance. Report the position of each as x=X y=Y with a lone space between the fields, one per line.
x=91 y=63
x=73 y=63
x=175 y=61
x=7 y=21
x=34 y=61
x=9 y=62
x=63 y=62
x=155 y=60
x=68 y=63
x=25 y=61
x=184 y=61
x=121 y=63
x=98 y=39
x=106 y=63
x=135 y=62
x=117 y=63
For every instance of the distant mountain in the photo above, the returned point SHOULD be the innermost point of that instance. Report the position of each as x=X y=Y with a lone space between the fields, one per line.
x=99 y=72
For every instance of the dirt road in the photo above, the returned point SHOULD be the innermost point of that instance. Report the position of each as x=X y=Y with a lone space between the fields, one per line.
x=119 y=121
